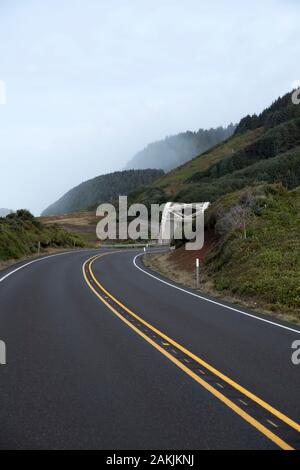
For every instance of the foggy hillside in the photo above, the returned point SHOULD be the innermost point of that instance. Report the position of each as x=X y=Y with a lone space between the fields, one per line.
x=175 y=150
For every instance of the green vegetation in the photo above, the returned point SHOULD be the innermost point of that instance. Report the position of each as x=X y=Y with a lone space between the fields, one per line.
x=284 y=168
x=178 y=149
x=263 y=148
x=83 y=224
x=262 y=264
x=253 y=183
x=272 y=143
x=20 y=234
x=282 y=110
x=172 y=181
x=105 y=188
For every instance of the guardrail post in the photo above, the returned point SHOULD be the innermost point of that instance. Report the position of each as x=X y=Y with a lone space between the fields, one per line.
x=2 y=353
x=197 y=271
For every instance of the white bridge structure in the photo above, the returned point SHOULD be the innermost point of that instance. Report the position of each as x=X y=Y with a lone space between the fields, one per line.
x=174 y=216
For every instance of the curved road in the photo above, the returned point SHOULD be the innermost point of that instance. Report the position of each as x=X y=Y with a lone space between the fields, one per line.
x=102 y=355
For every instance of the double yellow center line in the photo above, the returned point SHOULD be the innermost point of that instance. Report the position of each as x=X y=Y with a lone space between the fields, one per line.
x=276 y=426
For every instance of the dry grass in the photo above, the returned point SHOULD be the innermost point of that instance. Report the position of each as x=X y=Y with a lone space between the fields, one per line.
x=79 y=223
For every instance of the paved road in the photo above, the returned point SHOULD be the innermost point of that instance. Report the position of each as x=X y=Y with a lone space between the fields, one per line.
x=85 y=371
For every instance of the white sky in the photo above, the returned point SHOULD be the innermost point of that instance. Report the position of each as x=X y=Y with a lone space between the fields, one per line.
x=91 y=82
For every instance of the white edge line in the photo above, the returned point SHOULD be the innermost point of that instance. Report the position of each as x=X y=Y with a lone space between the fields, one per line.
x=32 y=262
x=212 y=301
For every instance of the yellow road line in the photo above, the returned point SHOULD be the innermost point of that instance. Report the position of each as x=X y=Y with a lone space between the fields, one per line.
x=238 y=387
x=282 y=444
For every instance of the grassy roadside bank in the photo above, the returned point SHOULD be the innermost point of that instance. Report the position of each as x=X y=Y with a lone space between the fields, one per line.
x=171 y=269
x=258 y=268
x=81 y=224
x=23 y=236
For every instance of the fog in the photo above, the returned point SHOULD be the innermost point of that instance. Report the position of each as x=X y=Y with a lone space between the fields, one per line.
x=90 y=83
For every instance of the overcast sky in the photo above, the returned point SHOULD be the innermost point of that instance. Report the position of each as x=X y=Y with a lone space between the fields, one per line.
x=91 y=82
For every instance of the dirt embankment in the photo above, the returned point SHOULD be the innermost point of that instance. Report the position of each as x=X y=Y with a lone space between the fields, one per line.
x=180 y=265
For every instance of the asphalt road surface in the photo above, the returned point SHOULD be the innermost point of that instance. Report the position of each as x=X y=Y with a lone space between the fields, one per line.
x=102 y=355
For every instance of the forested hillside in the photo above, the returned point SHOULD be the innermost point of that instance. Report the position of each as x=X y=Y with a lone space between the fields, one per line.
x=178 y=149
x=252 y=251
x=104 y=188
x=263 y=148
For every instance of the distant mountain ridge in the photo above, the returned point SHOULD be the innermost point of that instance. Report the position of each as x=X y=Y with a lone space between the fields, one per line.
x=175 y=150
x=104 y=188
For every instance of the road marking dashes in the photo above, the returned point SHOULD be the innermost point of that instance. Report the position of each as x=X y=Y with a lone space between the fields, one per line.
x=272 y=423
x=259 y=411
x=243 y=402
